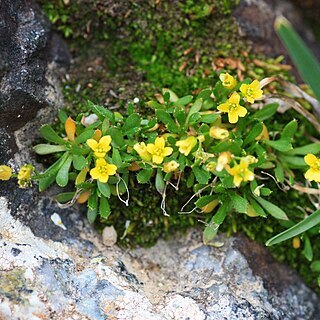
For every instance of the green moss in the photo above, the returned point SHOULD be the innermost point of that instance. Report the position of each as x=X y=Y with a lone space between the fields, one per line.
x=133 y=49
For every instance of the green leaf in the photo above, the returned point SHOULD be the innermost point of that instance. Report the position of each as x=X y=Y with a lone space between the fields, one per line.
x=302 y=57
x=79 y=162
x=172 y=96
x=183 y=101
x=144 y=175
x=279 y=172
x=49 y=134
x=104 y=188
x=202 y=176
x=62 y=116
x=196 y=107
x=101 y=112
x=307 y=250
x=238 y=203
x=210 y=232
x=93 y=201
x=92 y=215
x=297 y=229
x=45 y=182
x=165 y=117
x=257 y=208
x=204 y=200
x=116 y=158
x=104 y=208
x=315 y=266
x=272 y=209
x=64 y=197
x=62 y=177
x=222 y=212
x=282 y=144
x=84 y=136
x=160 y=185
x=293 y=162
x=266 y=112
x=117 y=137
x=253 y=133
x=289 y=130
x=132 y=121
x=48 y=148
x=209 y=118
x=313 y=148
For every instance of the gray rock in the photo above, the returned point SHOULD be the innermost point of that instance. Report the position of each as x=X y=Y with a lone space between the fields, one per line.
x=80 y=278
x=31 y=60
x=255 y=19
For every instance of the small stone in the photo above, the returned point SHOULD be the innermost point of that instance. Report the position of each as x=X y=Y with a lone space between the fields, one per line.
x=109 y=236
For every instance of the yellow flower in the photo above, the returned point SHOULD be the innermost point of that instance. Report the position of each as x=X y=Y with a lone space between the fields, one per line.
x=100 y=147
x=251 y=91
x=186 y=145
x=24 y=175
x=223 y=159
x=233 y=108
x=227 y=80
x=103 y=170
x=241 y=172
x=170 y=166
x=70 y=128
x=5 y=172
x=158 y=150
x=211 y=166
x=313 y=174
x=141 y=149
x=218 y=133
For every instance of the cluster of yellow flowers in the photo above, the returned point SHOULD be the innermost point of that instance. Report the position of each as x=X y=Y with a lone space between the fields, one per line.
x=232 y=107
x=102 y=169
x=24 y=175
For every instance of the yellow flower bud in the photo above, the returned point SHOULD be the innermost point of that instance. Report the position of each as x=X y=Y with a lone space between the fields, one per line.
x=218 y=133
x=186 y=145
x=210 y=206
x=201 y=138
x=5 y=172
x=24 y=175
x=81 y=177
x=70 y=128
x=211 y=166
x=170 y=166
x=223 y=160
x=227 y=80
x=296 y=242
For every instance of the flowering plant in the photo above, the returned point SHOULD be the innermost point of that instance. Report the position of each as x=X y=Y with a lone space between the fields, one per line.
x=217 y=142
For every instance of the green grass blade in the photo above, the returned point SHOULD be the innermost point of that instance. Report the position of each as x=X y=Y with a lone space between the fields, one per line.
x=297 y=229
x=305 y=61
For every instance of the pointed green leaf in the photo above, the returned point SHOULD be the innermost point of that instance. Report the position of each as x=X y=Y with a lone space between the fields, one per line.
x=84 y=136
x=302 y=226
x=49 y=134
x=104 y=208
x=144 y=175
x=62 y=177
x=272 y=209
x=160 y=185
x=48 y=148
x=104 y=188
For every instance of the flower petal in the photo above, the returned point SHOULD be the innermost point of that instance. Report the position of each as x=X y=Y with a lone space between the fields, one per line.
x=235 y=98
x=95 y=174
x=243 y=88
x=233 y=116
x=112 y=169
x=103 y=178
x=93 y=144
x=310 y=159
x=237 y=180
x=167 y=151
x=255 y=85
x=151 y=147
x=224 y=107
x=101 y=162
x=105 y=141
x=160 y=142
x=157 y=159
x=242 y=111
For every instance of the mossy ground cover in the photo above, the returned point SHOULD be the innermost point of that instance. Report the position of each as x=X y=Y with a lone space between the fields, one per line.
x=133 y=49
